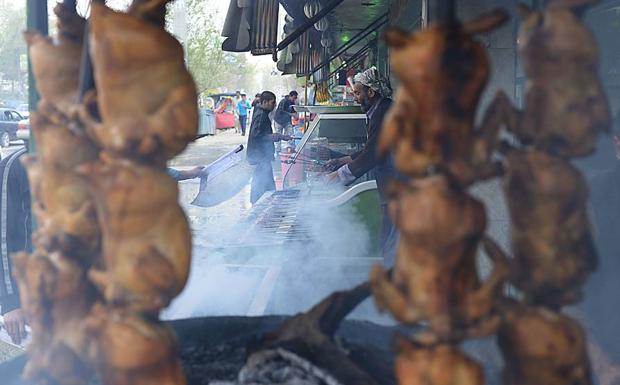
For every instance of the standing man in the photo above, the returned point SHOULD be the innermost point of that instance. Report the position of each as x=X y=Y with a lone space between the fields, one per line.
x=256 y=101
x=236 y=101
x=283 y=116
x=261 y=147
x=15 y=229
x=243 y=107
x=373 y=93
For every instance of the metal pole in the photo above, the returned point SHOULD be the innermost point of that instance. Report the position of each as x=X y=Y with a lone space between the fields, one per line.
x=36 y=20
x=307 y=103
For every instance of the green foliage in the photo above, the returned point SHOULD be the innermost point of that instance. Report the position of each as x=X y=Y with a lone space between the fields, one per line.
x=13 y=72
x=212 y=68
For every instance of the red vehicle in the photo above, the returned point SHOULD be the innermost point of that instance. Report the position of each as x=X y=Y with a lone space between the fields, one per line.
x=224 y=110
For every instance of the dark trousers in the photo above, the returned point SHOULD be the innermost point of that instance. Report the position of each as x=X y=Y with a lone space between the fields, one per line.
x=243 y=121
x=262 y=180
x=388 y=238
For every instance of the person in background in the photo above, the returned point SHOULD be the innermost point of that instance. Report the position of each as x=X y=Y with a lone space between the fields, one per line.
x=243 y=107
x=372 y=92
x=256 y=101
x=16 y=229
x=180 y=175
x=601 y=303
x=283 y=116
x=260 y=149
x=235 y=102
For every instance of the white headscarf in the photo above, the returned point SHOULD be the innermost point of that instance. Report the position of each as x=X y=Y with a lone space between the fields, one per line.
x=372 y=79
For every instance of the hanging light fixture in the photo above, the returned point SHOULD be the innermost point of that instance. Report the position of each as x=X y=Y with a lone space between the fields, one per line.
x=311 y=8
x=321 y=25
x=326 y=40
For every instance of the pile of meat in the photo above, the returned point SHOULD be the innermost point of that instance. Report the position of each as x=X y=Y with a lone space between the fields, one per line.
x=113 y=245
x=431 y=131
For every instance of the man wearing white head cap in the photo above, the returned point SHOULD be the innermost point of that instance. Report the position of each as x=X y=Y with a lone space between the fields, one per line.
x=373 y=93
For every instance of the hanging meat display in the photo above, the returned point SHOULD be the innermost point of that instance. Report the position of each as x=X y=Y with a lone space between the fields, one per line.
x=113 y=245
x=434 y=141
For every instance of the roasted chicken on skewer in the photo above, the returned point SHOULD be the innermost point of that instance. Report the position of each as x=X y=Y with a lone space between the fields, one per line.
x=565 y=104
x=543 y=347
x=435 y=276
x=128 y=349
x=437 y=365
x=443 y=71
x=145 y=235
x=138 y=119
x=56 y=297
x=554 y=252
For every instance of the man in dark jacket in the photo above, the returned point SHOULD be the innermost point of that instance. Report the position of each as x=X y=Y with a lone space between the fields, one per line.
x=284 y=114
x=373 y=93
x=15 y=232
x=261 y=149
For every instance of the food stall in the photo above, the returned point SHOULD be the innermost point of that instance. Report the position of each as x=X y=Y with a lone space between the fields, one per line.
x=113 y=329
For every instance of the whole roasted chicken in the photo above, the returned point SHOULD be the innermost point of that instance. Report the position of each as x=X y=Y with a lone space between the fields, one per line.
x=435 y=276
x=61 y=199
x=543 y=347
x=56 y=297
x=145 y=235
x=437 y=365
x=554 y=252
x=129 y=349
x=153 y=122
x=443 y=71
x=56 y=61
x=565 y=104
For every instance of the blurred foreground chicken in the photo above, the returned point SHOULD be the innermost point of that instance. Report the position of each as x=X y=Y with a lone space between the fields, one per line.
x=565 y=105
x=145 y=95
x=61 y=200
x=443 y=71
x=145 y=235
x=128 y=349
x=435 y=276
x=437 y=365
x=554 y=252
x=543 y=347
x=56 y=296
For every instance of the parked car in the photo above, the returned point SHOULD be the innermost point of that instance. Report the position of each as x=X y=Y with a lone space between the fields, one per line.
x=23 y=130
x=24 y=110
x=9 y=121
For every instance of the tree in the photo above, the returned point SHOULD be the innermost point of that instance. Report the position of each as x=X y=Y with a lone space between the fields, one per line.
x=12 y=52
x=211 y=67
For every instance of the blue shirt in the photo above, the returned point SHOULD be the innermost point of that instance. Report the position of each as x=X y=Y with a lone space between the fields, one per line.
x=243 y=106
